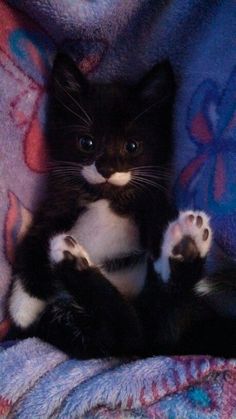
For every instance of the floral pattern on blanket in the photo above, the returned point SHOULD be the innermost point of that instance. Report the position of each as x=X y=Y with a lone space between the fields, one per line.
x=206 y=181
x=159 y=387
x=26 y=55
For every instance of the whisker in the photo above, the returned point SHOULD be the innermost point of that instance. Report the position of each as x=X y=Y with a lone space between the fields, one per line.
x=68 y=175
x=160 y=102
x=150 y=183
x=82 y=128
x=65 y=171
x=65 y=168
x=155 y=168
x=139 y=187
x=71 y=110
x=143 y=112
x=143 y=188
x=62 y=163
x=74 y=183
x=159 y=176
x=156 y=185
x=75 y=101
x=150 y=172
x=154 y=165
x=152 y=176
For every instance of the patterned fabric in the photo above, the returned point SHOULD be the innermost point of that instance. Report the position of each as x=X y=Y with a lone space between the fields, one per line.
x=118 y=40
x=101 y=37
x=38 y=380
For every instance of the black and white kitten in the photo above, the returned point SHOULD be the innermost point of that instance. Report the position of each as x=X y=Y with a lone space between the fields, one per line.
x=86 y=255
x=84 y=279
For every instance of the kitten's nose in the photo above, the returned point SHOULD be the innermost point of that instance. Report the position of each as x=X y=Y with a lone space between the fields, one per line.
x=106 y=172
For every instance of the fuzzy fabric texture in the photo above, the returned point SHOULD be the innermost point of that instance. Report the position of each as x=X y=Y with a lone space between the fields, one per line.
x=195 y=35
x=118 y=40
x=38 y=380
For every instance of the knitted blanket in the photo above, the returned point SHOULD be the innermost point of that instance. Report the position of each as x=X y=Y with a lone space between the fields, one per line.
x=116 y=39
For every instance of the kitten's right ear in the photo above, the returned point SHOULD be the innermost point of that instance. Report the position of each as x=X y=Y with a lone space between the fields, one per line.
x=66 y=77
x=158 y=84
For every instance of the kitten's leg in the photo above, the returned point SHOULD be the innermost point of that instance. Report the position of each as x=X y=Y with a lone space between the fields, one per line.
x=63 y=246
x=175 y=307
x=23 y=307
x=187 y=316
x=88 y=317
x=32 y=282
x=186 y=244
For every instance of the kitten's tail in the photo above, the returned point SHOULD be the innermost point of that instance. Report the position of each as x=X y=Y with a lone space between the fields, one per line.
x=219 y=289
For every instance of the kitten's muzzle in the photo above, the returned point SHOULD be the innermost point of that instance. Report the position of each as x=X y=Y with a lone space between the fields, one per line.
x=106 y=172
x=93 y=176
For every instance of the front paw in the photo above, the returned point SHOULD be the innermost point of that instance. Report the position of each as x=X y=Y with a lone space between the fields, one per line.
x=64 y=247
x=186 y=239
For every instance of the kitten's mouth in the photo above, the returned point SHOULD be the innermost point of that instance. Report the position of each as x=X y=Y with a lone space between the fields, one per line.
x=91 y=174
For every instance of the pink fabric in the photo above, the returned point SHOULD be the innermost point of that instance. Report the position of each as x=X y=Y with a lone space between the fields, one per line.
x=25 y=52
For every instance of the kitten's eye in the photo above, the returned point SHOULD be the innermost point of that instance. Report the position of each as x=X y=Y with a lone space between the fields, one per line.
x=86 y=144
x=132 y=147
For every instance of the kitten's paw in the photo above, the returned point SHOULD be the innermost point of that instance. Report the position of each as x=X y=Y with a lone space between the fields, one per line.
x=65 y=247
x=187 y=238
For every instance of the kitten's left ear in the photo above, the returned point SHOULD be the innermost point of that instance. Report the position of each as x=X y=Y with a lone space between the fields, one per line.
x=66 y=77
x=158 y=84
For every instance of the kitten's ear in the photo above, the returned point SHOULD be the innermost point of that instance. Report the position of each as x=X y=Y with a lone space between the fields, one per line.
x=158 y=84
x=66 y=77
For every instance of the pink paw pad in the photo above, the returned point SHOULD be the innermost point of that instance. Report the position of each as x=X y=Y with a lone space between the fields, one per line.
x=186 y=238
x=65 y=247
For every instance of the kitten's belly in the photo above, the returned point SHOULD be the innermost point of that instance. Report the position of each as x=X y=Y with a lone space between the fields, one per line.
x=106 y=235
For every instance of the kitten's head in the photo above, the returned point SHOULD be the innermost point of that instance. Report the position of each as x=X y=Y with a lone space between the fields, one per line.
x=110 y=135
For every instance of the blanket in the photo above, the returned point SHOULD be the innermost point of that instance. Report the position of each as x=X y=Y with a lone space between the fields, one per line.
x=40 y=382
x=116 y=39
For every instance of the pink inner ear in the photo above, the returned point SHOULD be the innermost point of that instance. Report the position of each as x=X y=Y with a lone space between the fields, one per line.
x=200 y=129
x=89 y=63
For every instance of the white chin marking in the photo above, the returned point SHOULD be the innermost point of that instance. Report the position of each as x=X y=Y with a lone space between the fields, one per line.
x=120 y=178
x=23 y=308
x=91 y=174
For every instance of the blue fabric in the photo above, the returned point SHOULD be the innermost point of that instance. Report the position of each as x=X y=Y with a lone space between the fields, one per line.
x=115 y=39
x=39 y=381
x=198 y=36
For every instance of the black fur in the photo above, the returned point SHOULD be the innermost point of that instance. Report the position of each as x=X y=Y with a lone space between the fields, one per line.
x=85 y=315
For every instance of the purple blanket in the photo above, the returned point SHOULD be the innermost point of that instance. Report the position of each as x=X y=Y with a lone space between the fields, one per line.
x=40 y=382
x=113 y=39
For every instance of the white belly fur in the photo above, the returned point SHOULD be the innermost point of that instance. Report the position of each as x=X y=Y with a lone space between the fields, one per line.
x=106 y=235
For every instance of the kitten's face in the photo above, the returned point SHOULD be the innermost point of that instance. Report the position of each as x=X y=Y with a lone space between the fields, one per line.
x=111 y=135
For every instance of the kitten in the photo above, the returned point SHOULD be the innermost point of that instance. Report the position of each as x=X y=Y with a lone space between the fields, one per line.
x=84 y=279
x=85 y=258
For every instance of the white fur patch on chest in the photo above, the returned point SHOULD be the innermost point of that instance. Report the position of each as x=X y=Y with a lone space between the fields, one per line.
x=104 y=234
